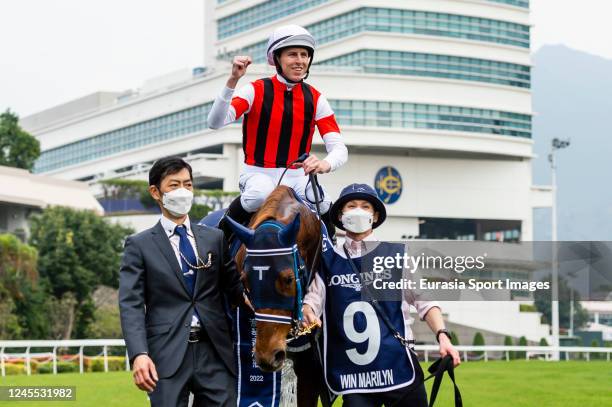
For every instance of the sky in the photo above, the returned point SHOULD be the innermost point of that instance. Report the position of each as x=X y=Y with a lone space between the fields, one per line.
x=54 y=51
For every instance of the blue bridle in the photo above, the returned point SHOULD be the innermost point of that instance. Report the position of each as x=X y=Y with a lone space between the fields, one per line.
x=263 y=268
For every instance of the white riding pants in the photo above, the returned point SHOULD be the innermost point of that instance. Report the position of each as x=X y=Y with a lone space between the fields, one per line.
x=256 y=183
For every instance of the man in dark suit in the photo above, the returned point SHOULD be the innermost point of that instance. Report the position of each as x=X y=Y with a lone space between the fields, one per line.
x=172 y=280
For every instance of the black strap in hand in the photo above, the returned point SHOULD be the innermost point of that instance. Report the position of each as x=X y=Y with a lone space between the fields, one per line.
x=437 y=370
x=403 y=341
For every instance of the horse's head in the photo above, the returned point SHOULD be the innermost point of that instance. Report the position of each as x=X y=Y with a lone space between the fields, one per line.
x=272 y=267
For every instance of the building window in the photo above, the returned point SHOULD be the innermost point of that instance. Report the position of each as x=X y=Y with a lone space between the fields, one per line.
x=138 y=135
x=348 y=112
x=260 y=14
x=437 y=66
x=431 y=117
x=518 y=3
x=406 y=22
x=470 y=229
x=605 y=319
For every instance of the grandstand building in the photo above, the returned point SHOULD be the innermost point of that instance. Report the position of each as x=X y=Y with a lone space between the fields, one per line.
x=437 y=90
x=433 y=98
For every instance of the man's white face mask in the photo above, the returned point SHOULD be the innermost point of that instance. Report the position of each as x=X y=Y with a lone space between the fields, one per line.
x=357 y=220
x=178 y=202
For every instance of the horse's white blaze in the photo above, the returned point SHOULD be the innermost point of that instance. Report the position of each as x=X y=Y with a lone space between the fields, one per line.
x=371 y=333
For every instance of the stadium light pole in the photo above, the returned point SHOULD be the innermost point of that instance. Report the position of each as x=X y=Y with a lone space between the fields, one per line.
x=571 y=327
x=557 y=144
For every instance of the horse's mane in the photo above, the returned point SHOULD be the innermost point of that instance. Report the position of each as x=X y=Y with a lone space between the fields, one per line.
x=282 y=205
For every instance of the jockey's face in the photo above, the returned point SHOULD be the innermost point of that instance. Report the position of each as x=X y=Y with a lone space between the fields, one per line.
x=294 y=62
x=359 y=203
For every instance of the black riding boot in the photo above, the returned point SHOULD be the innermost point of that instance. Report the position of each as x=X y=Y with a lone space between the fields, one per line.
x=237 y=213
x=331 y=229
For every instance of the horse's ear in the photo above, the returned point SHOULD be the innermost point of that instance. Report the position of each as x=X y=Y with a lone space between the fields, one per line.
x=287 y=236
x=244 y=234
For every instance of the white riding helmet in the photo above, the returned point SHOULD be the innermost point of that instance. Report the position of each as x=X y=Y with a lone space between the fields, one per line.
x=289 y=36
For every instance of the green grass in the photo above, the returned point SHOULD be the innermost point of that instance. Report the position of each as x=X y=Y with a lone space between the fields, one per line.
x=490 y=384
x=530 y=384
x=92 y=389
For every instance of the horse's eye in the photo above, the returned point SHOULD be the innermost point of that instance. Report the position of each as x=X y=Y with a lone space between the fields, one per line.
x=288 y=280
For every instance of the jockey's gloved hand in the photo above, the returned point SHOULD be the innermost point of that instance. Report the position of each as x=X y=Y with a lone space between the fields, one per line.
x=312 y=165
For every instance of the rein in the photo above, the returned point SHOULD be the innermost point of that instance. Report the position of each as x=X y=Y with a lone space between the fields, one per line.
x=315 y=188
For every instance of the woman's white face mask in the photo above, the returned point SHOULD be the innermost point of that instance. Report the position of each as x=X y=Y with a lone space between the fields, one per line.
x=357 y=220
x=178 y=201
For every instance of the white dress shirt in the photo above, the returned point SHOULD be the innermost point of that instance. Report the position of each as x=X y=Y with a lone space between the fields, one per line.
x=170 y=227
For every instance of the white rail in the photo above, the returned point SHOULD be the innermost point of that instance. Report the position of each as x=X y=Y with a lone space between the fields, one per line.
x=529 y=351
x=54 y=345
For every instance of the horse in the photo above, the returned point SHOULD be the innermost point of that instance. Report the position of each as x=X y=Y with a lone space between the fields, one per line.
x=279 y=249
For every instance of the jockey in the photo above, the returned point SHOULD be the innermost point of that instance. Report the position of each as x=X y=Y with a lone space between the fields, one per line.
x=280 y=114
x=351 y=319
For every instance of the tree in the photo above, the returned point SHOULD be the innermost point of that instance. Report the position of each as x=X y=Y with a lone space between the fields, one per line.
x=9 y=322
x=32 y=310
x=522 y=342
x=478 y=341
x=17 y=147
x=22 y=307
x=78 y=250
x=543 y=304
x=595 y=344
x=454 y=338
x=60 y=315
x=108 y=325
x=198 y=212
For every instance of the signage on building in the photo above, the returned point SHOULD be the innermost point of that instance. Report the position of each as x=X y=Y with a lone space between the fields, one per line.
x=388 y=184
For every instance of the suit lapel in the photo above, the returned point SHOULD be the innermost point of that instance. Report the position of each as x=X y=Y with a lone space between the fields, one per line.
x=203 y=247
x=163 y=243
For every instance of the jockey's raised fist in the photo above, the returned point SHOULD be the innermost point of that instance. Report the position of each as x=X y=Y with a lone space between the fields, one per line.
x=239 y=65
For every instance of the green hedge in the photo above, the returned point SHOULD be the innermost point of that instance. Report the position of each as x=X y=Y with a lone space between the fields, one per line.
x=478 y=341
x=528 y=308
x=45 y=369
x=96 y=364
x=115 y=364
x=454 y=338
x=67 y=367
x=522 y=342
x=14 y=368
x=20 y=367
